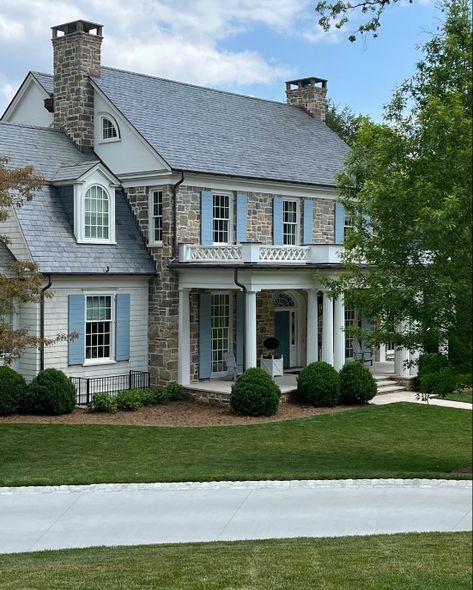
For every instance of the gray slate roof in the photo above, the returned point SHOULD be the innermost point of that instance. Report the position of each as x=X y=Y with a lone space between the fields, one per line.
x=211 y=131
x=46 y=81
x=47 y=220
x=73 y=172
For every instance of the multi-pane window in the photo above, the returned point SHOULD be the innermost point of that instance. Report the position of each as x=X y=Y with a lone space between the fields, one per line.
x=157 y=206
x=348 y=225
x=289 y=223
x=220 y=330
x=98 y=327
x=221 y=219
x=97 y=214
x=350 y=320
x=109 y=129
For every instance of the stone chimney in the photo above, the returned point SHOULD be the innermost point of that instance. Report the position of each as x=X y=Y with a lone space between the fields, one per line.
x=76 y=57
x=308 y=93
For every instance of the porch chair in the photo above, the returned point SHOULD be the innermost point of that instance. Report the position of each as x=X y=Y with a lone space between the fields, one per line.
x=365 y=356
x=232 y=369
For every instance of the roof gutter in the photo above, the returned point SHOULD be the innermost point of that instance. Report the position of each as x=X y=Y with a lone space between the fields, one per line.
x=41 y=322
x=174 y=215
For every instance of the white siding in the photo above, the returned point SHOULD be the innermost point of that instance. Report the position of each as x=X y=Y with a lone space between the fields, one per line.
x=28 y=363
x=17 y=244
x=131 y=153
x=30 y=107
x=56 y=320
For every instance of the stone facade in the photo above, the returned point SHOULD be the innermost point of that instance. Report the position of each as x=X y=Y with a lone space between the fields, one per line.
x=163 y=295
x=310 y=97
x=76 y=57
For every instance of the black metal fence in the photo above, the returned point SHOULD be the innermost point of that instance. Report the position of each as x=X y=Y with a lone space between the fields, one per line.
x=113 y=384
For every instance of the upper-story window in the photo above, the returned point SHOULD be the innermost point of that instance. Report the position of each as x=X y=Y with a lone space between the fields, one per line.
x=156 y=217
x=96 y=214
x=222 y=219
x=109 y=131
x=348 y=225
x=290 y=223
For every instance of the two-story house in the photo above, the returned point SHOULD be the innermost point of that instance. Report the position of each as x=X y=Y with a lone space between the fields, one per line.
x=177 y=223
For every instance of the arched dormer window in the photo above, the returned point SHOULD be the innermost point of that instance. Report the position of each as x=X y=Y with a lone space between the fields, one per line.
x=96 y=213
x=109 y=129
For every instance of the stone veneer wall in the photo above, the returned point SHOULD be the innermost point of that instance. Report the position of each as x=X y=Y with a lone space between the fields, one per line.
x=163 y=295
x=310 y=98
x=76 y=56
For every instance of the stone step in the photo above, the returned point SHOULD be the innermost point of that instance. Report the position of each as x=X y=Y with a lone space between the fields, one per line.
x=394 y=388
x=382 y=383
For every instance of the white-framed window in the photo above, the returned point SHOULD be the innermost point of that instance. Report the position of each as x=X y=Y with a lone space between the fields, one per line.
x=109 y=130
x=221 y=337
x=99 y=316
x=290 y=216
x=96 y=213
x=222 y=218
x=156 y=217
x=350 y=320
x=348 y=225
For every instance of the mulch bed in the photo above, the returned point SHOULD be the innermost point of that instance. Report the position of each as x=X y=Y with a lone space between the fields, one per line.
x=180 y=413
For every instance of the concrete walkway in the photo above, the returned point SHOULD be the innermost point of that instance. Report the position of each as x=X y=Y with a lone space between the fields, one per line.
x=130 y=514
x=410 y=396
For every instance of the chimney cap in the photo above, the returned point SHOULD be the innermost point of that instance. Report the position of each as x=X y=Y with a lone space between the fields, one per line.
x=304 y=82
x=77 y=26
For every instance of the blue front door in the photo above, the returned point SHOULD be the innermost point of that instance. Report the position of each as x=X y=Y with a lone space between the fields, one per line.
x=281 y=329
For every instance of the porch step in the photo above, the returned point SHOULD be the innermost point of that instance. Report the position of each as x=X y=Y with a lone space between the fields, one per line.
x=393 y=388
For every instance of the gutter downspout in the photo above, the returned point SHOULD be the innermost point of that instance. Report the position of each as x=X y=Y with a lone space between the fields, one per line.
x=244 y=289
x=41 y=322
x=174 y=215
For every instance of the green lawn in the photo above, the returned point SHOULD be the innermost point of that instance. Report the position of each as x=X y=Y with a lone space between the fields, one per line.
x=460 y=396
x=433 y=561
x=400 y=440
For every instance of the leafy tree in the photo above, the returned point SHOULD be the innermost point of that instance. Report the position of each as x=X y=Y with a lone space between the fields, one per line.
x=336 y=14
x=22 y=282
x=407 y=188
x=342 y=120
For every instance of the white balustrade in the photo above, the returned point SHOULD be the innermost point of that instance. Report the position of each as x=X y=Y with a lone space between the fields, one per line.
x=259 y=253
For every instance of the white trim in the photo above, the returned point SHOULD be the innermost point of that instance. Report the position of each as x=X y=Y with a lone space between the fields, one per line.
x=151 y=241
x=230 y=333
x=80 y=191
x=231 y=206
x=231 y=184
x=114 y=123
x=16 y=100
x=298 y=221
x=103 y=360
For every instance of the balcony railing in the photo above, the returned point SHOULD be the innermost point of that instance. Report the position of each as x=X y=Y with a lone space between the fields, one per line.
x=259 y=253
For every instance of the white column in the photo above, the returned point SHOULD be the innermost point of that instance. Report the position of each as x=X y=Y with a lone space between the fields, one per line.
x=184 y=339
x=327 y=330
x=339 y=333
x=250 y=319
x=382 y=353
x=401 y=355
x=312 y=352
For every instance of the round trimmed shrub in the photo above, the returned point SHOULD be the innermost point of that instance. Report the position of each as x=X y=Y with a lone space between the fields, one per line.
x=51 y=392
x=318 y=384
x=129 y=400
x=12 y=391
x=357 y=384
x=255 y=393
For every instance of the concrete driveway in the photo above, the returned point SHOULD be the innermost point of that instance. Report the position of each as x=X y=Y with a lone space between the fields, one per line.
x=80 y=516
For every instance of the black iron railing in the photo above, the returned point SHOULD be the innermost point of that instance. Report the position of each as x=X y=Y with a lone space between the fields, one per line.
x=86 y=387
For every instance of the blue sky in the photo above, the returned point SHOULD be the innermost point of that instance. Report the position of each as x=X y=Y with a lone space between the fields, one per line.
x=246 y=46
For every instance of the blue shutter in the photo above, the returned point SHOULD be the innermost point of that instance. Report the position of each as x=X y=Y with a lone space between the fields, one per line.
x=366 y=327
x=240 y=329
x=308 y=221
x=241 y=217
x=339 y=223
x=277 y=221
x=206 y=218
x=76 y=323
x=122 y=327
x=205 y=337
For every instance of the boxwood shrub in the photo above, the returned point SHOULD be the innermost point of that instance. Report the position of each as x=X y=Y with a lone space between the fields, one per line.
x=12 y=391
x=51 y=392
x=357 y=384
x=129 y=400
x=103 y=402
x=255 y=393
x=318 y=384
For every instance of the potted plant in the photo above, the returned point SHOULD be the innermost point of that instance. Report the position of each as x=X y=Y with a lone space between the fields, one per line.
x=272 y=363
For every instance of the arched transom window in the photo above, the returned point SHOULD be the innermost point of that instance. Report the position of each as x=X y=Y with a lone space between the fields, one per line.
x=97 y=213
x=109 y=129
x=284 y=300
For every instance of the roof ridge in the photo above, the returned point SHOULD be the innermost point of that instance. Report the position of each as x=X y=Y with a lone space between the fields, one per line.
x=277 y=102
x=41 y=73
x=27 y=126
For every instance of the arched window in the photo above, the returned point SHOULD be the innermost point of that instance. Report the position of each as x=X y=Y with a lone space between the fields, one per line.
x=110 y=130
x=96 y=213
x=284 y=300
